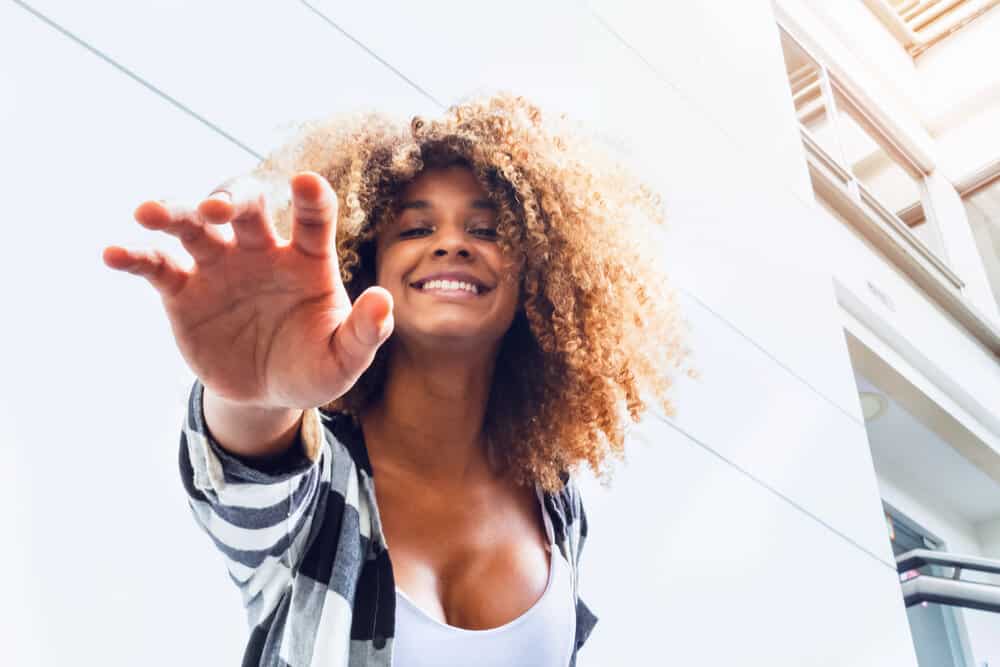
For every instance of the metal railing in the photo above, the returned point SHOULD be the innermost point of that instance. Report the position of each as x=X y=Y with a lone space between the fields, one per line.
x=951 y=591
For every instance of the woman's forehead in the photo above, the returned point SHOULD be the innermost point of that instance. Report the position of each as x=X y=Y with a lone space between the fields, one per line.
x=442 y=188
x=453 y=180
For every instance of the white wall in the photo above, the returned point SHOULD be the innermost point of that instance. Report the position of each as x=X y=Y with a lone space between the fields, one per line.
x=757 y=556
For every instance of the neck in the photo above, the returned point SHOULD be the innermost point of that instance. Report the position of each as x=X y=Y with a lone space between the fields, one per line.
x=428 y=424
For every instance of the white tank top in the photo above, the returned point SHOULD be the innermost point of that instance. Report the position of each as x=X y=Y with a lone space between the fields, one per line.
x=540 y=637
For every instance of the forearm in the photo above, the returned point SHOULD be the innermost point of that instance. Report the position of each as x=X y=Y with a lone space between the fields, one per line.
x=251 y=431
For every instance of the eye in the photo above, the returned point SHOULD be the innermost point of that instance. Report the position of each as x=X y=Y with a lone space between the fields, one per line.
x=485 y=232
x=414 y=232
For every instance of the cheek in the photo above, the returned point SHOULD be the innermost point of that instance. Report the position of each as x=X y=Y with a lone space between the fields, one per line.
x=387 y=263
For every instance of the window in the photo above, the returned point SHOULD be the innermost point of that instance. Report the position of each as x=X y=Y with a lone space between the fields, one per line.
x=981 y=196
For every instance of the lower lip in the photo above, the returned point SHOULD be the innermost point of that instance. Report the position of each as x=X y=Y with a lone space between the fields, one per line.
x=450 y=293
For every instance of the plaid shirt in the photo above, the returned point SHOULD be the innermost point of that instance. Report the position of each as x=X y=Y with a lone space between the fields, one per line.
x=302 y=539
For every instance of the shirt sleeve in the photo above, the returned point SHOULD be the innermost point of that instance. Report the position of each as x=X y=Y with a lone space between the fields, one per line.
x=258 y=514
x=576 y=518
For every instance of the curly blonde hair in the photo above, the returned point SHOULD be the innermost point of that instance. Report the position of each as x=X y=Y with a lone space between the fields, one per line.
x=599 y=325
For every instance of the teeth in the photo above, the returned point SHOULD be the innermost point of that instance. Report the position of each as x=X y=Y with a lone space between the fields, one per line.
x=450 y=285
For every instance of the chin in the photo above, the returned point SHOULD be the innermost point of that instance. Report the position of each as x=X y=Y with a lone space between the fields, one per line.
x=453 y=336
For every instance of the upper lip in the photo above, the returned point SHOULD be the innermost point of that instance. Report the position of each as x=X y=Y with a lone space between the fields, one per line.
x=453 y=275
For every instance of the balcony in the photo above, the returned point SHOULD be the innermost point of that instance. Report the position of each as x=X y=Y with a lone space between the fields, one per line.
x=876 y=185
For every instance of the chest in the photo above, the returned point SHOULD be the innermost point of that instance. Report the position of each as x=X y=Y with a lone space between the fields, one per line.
x=473 y=560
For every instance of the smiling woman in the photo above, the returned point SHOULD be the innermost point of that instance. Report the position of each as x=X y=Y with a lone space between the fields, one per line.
x=417 y=372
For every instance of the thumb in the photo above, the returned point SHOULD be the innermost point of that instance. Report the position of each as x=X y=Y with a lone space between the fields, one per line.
x=377 y=304
x=366 y=327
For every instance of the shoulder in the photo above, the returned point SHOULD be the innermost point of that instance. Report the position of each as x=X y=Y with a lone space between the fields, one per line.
x=348 y=436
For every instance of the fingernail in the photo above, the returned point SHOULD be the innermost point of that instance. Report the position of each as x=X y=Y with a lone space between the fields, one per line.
x=385 y=328
x=221 y=196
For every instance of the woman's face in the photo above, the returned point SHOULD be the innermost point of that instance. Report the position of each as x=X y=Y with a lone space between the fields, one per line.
x=451 y=285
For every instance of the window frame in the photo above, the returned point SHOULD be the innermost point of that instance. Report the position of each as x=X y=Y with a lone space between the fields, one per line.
x=837 y=169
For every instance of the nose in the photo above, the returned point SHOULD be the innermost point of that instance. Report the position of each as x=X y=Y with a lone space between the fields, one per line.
x=461 y=252
x=452 y=244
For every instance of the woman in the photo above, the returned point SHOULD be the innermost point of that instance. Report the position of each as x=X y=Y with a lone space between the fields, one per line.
x=463 y=313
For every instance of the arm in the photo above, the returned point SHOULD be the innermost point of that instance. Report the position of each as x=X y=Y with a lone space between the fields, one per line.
x=252 y=433
x=257 y=512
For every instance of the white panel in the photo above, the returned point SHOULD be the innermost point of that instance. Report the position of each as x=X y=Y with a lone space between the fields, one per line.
x=726 y=57
x=25 y=613
x=745 y=247
x=752 y=412
x=565 y=56
x=690 y=563
x=94 y=389
x=757 y=257
x=249 y=67
x=744 y=244
x=540 y=50
x=727 y=62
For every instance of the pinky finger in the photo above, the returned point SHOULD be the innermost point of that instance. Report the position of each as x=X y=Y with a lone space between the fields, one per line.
x=157 y=267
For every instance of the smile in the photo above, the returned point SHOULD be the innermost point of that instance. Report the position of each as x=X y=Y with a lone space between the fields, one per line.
x=448 y=287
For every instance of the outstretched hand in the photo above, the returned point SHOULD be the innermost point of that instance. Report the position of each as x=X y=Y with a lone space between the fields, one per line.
x=259 y=320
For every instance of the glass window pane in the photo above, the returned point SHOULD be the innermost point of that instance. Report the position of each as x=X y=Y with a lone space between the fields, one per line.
x=804 y=78
x=871 y=163
x=888 y=177
x=983 y=210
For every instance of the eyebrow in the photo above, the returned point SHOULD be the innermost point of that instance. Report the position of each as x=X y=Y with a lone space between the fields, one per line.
x=423 y=204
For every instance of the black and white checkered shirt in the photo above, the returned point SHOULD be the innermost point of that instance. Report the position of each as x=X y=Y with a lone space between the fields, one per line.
x=302 y=540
